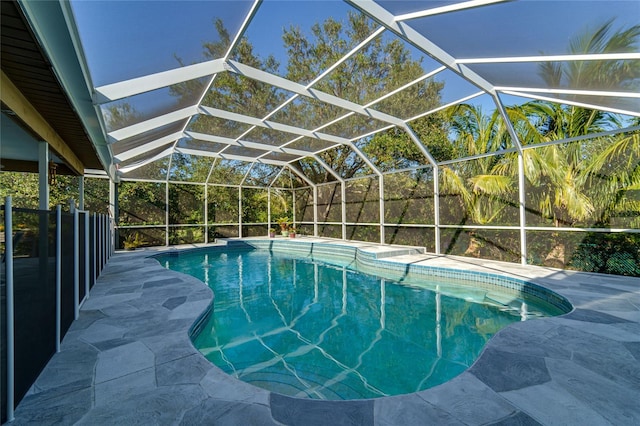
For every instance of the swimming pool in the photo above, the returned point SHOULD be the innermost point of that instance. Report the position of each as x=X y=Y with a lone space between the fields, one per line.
x=304 y=321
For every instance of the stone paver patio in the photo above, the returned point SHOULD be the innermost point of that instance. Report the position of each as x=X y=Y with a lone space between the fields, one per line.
x=129 y=360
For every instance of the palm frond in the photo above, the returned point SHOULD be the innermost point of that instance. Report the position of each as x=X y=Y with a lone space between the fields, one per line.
x=492 y=184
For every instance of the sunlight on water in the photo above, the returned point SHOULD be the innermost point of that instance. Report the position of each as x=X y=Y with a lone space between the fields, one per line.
x=307 y=328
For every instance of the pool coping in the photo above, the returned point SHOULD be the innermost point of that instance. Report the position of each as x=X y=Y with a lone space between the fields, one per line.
x=128 y=359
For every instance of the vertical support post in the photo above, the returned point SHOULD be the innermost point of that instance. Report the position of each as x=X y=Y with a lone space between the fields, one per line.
x=43 y=176
x=110 y=232
x=166 y=212
x=343 y=197
x=98 y=246
x=81 y=193
x=315 y=211
x=76 y=265
x=102 y=241
x=240 y=212
x=107 y=238
x=113 y=240
x=105 y=232
x=109 y=227
x=523 y=216
x=58 y=276
x=206 y=213
x=95 y=247
x=381 y=202
x=293 y=196
x=436 y=206
x=8 y=228
x=114 y=209
x=438 y=322
x=86 y=254
x=268 y=208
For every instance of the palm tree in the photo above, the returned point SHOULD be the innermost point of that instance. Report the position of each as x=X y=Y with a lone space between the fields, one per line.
x=558 y=172
x=480 y=185
x=610 y=75
x=566 y=179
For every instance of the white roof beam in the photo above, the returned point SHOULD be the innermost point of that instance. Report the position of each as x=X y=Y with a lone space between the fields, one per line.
x=270 y=124
x=445 y=106
x=276 y=177
x=247 y=144
x=416 y=140
x=310 y=152
x=301 y=175
x=346 y=56
x=583 y=137
x=570 y=102
x=477 y=156
x=447 y=9
x=327 y=71
x=141 y=149
x=246 y=174
x=328 y=168
x=406 y=32
x=507 y=122
x=223 y=156
x=136 y=86
x=361 y=154
x=127 y=169
x=406 y=86
x=570 y=92
x=285 y=84
x=552 y=58
x=243 y=27
x=145 y=126
x=232 y=46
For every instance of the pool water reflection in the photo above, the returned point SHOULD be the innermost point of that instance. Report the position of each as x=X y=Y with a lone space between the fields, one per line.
x=312 y=328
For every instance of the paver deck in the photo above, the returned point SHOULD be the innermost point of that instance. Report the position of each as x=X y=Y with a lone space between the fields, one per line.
x=128 y=360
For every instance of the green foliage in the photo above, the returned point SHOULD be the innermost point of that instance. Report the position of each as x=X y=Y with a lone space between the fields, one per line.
x=609 y=75
x=186 y=204
x=120 y=115
x=378 y=68
x=608 y=253
x=482 y=186
x=141 y=203
x=186 y=235
x=284 y=222
x=190 y=168
x=254 y=206
x=222 y=204
x=96 y=195
x=23 y=188
x=133 y=241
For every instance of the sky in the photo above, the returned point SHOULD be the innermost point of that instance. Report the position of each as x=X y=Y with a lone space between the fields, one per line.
x=127 y=39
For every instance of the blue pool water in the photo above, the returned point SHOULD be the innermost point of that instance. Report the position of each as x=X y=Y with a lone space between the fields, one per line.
x=305 y=327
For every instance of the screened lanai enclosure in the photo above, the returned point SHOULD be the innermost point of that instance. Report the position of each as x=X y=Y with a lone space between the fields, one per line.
x=506 y=130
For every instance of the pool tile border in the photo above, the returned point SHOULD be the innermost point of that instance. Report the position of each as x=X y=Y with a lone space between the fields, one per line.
x=384 y=261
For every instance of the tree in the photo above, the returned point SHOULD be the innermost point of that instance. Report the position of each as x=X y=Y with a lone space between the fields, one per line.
x=481 y=186
x=564 y=172
x=612 y=75
x=378 y=68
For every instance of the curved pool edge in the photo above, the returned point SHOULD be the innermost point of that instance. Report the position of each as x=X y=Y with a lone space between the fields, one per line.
x=549 y=371
x=380 y=259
